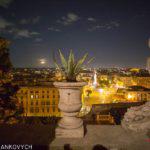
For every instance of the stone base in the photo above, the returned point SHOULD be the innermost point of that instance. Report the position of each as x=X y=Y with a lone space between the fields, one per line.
x=69 y=133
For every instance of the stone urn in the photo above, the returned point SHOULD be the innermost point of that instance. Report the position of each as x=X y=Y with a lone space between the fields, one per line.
x=70 y=126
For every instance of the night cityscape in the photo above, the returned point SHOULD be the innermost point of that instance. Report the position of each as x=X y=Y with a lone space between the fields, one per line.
x=75 y=74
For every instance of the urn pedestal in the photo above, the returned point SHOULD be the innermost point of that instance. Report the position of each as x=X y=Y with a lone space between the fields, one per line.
x=70 y=126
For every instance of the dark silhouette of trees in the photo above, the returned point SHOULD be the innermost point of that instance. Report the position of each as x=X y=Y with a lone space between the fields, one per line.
x=9 y=105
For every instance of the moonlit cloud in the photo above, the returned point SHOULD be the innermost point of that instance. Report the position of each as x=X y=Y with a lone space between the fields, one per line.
x=69 y=19
x=38 y=40
x=30 y=21
x=96 y=27
x=105 y=26
x=91 y=19
x=7 y=27
x=5 y=3
x=24 y=21
x=54 y=29
x=4 y=23
x=23 y=33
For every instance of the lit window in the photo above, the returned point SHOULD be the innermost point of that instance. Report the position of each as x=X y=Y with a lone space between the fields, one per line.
x=36 y=96
x=32 y=96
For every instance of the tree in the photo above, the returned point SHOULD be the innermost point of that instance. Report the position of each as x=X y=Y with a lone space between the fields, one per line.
x=9 y=105
x=5 y=63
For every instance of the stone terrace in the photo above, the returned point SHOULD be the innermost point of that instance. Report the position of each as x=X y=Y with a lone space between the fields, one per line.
x=100 y=137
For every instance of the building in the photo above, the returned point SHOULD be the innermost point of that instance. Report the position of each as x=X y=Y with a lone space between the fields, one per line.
x=39 y=100
x=137 y=94
x=132 y=94
x=135 y=81
x=148 y=64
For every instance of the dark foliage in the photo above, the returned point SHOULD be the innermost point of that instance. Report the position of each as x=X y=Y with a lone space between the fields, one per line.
x=9 y=105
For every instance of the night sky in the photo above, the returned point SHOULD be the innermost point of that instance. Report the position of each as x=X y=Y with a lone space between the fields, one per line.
x=115 y=32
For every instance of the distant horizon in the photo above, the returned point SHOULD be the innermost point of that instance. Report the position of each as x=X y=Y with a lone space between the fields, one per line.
x=84 y=68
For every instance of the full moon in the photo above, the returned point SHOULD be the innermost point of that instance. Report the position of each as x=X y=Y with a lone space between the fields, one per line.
x=42 y=61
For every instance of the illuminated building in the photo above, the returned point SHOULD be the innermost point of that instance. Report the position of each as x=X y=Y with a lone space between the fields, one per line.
x=86 y=76
x=103 y=77
x=139 y=81
x=137 y=94
x=143 y=81
x=117 y=90
x=101 y=89
x=39 y=100
x=105 y=118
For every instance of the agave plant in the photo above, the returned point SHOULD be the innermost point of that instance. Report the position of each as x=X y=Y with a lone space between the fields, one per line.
x=71 y=68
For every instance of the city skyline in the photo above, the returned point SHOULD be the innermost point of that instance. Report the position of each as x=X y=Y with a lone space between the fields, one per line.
x=115 y=32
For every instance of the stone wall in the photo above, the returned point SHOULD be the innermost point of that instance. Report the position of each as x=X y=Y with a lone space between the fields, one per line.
x=137 y=118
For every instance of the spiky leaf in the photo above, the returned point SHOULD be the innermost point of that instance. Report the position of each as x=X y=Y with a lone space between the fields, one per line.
x=71 y=67
x=80 y=63
x=63 y=60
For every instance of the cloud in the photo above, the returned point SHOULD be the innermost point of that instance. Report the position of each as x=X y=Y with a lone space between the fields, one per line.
x=96 y=27
x=23 y=33
x=7 y=27
x=4 y=23
x=106 y=26
x=54 y=29
x=69 y=19
x=91 y=19
x=30 y=21
x=24 y=21
x=115 y=23
x=38 y=40
x=5 y=3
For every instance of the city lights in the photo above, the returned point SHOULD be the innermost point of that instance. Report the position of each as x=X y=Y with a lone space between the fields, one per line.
x=130 y=97
x=101 y=90
x=53 y=95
